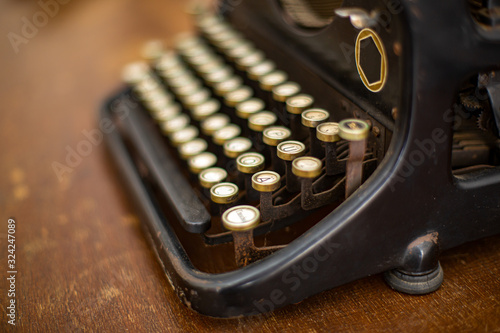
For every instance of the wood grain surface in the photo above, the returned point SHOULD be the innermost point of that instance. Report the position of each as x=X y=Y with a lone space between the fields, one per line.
x=83 y=262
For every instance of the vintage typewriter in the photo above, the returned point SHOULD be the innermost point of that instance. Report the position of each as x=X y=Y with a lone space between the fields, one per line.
x=291 y=146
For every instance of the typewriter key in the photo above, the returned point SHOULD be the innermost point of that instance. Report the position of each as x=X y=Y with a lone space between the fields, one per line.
x=174 y=124
x=201 y=162
x=218 y=76
x=274 y=135
x=212 y=176
x=237 y=146
x=192 y=148
x=205 y=109
x=285 y=90
x=186 y=41
x=168 y=61
x=354 y=129
x=135 y=72
x=210 y=67
x=202 y=59
x=166 y=113
x=197 y=98
x=154 y=94
x=190 y=87
x=224 y=193
x=328 y=132
x=260 y=121
x=313 y=117
x=250 y=162
x=238 y=95
x=184 y=135
x=266 y=181
x=257 y=71
x=152 y=50
x=289 y=150
x=214 y=123
x=208 y=21
x=299 y=103
x=226 y=133
x=228 y=85
x=229 y=43
x=146 y=86
x=249 y=60
x=239 y=51
x=272 y=79
x=158 y=104
x=241 y=218
x=306 y=167
x=356 y=132
x=249 y=107
x=174 y=73
x=183 y=80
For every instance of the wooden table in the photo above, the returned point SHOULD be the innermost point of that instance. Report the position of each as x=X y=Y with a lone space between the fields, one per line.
x=83 y=262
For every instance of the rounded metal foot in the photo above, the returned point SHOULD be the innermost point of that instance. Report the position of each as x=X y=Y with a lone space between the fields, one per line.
x=415 y=284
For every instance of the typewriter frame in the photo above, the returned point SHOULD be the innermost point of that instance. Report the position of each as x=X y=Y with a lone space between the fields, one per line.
x=378 y=228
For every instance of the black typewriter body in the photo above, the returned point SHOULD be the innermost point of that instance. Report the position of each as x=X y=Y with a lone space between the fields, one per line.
x=431 y=177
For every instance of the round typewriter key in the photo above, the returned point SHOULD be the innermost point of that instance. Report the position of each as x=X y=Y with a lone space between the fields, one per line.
x=249 y=107
x=175 y=73
x=266 y=181
x=313 y=117
x=166 y=113
x=241 y=218
x=250 y=162
x=219 y=75
x=146 y=86
x=156 y=93
x=224 y=193
x=205 y=109
x=201 y=59
x=184 y=135
x=285 y=90
x=260 y=121
x=238 y=51
x=239 y=95
x=157 y=104
x=186 y=41
x=232 y=41
x=201 y=162
x=212 y=176
x=214 y=123
x=167 y=61
x=250 y=59
x=289 y=150
x=183 y=80
x=274 y=135
x=257 y=71
x=354 y=129
x=226 y=133
x=226 y=86
x=270 y=80
x=174 y=124
x=208 y=21
x=210 y=67
x=187 y=89
x=152 y=49
x=237 y=146
x=135 y=72
x=328 y=132
x=197 y=98
x=306 y=167
x=192 y=148
x=299 y=103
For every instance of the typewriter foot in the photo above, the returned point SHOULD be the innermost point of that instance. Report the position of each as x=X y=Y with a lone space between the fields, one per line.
x=415 y=284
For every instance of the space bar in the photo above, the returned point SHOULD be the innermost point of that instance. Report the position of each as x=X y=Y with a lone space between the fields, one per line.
x=188 y=208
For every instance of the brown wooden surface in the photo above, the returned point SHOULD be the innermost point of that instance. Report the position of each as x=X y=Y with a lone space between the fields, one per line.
x=83 y=261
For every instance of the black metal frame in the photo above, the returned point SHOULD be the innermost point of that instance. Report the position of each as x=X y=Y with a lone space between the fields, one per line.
x=400 y=218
